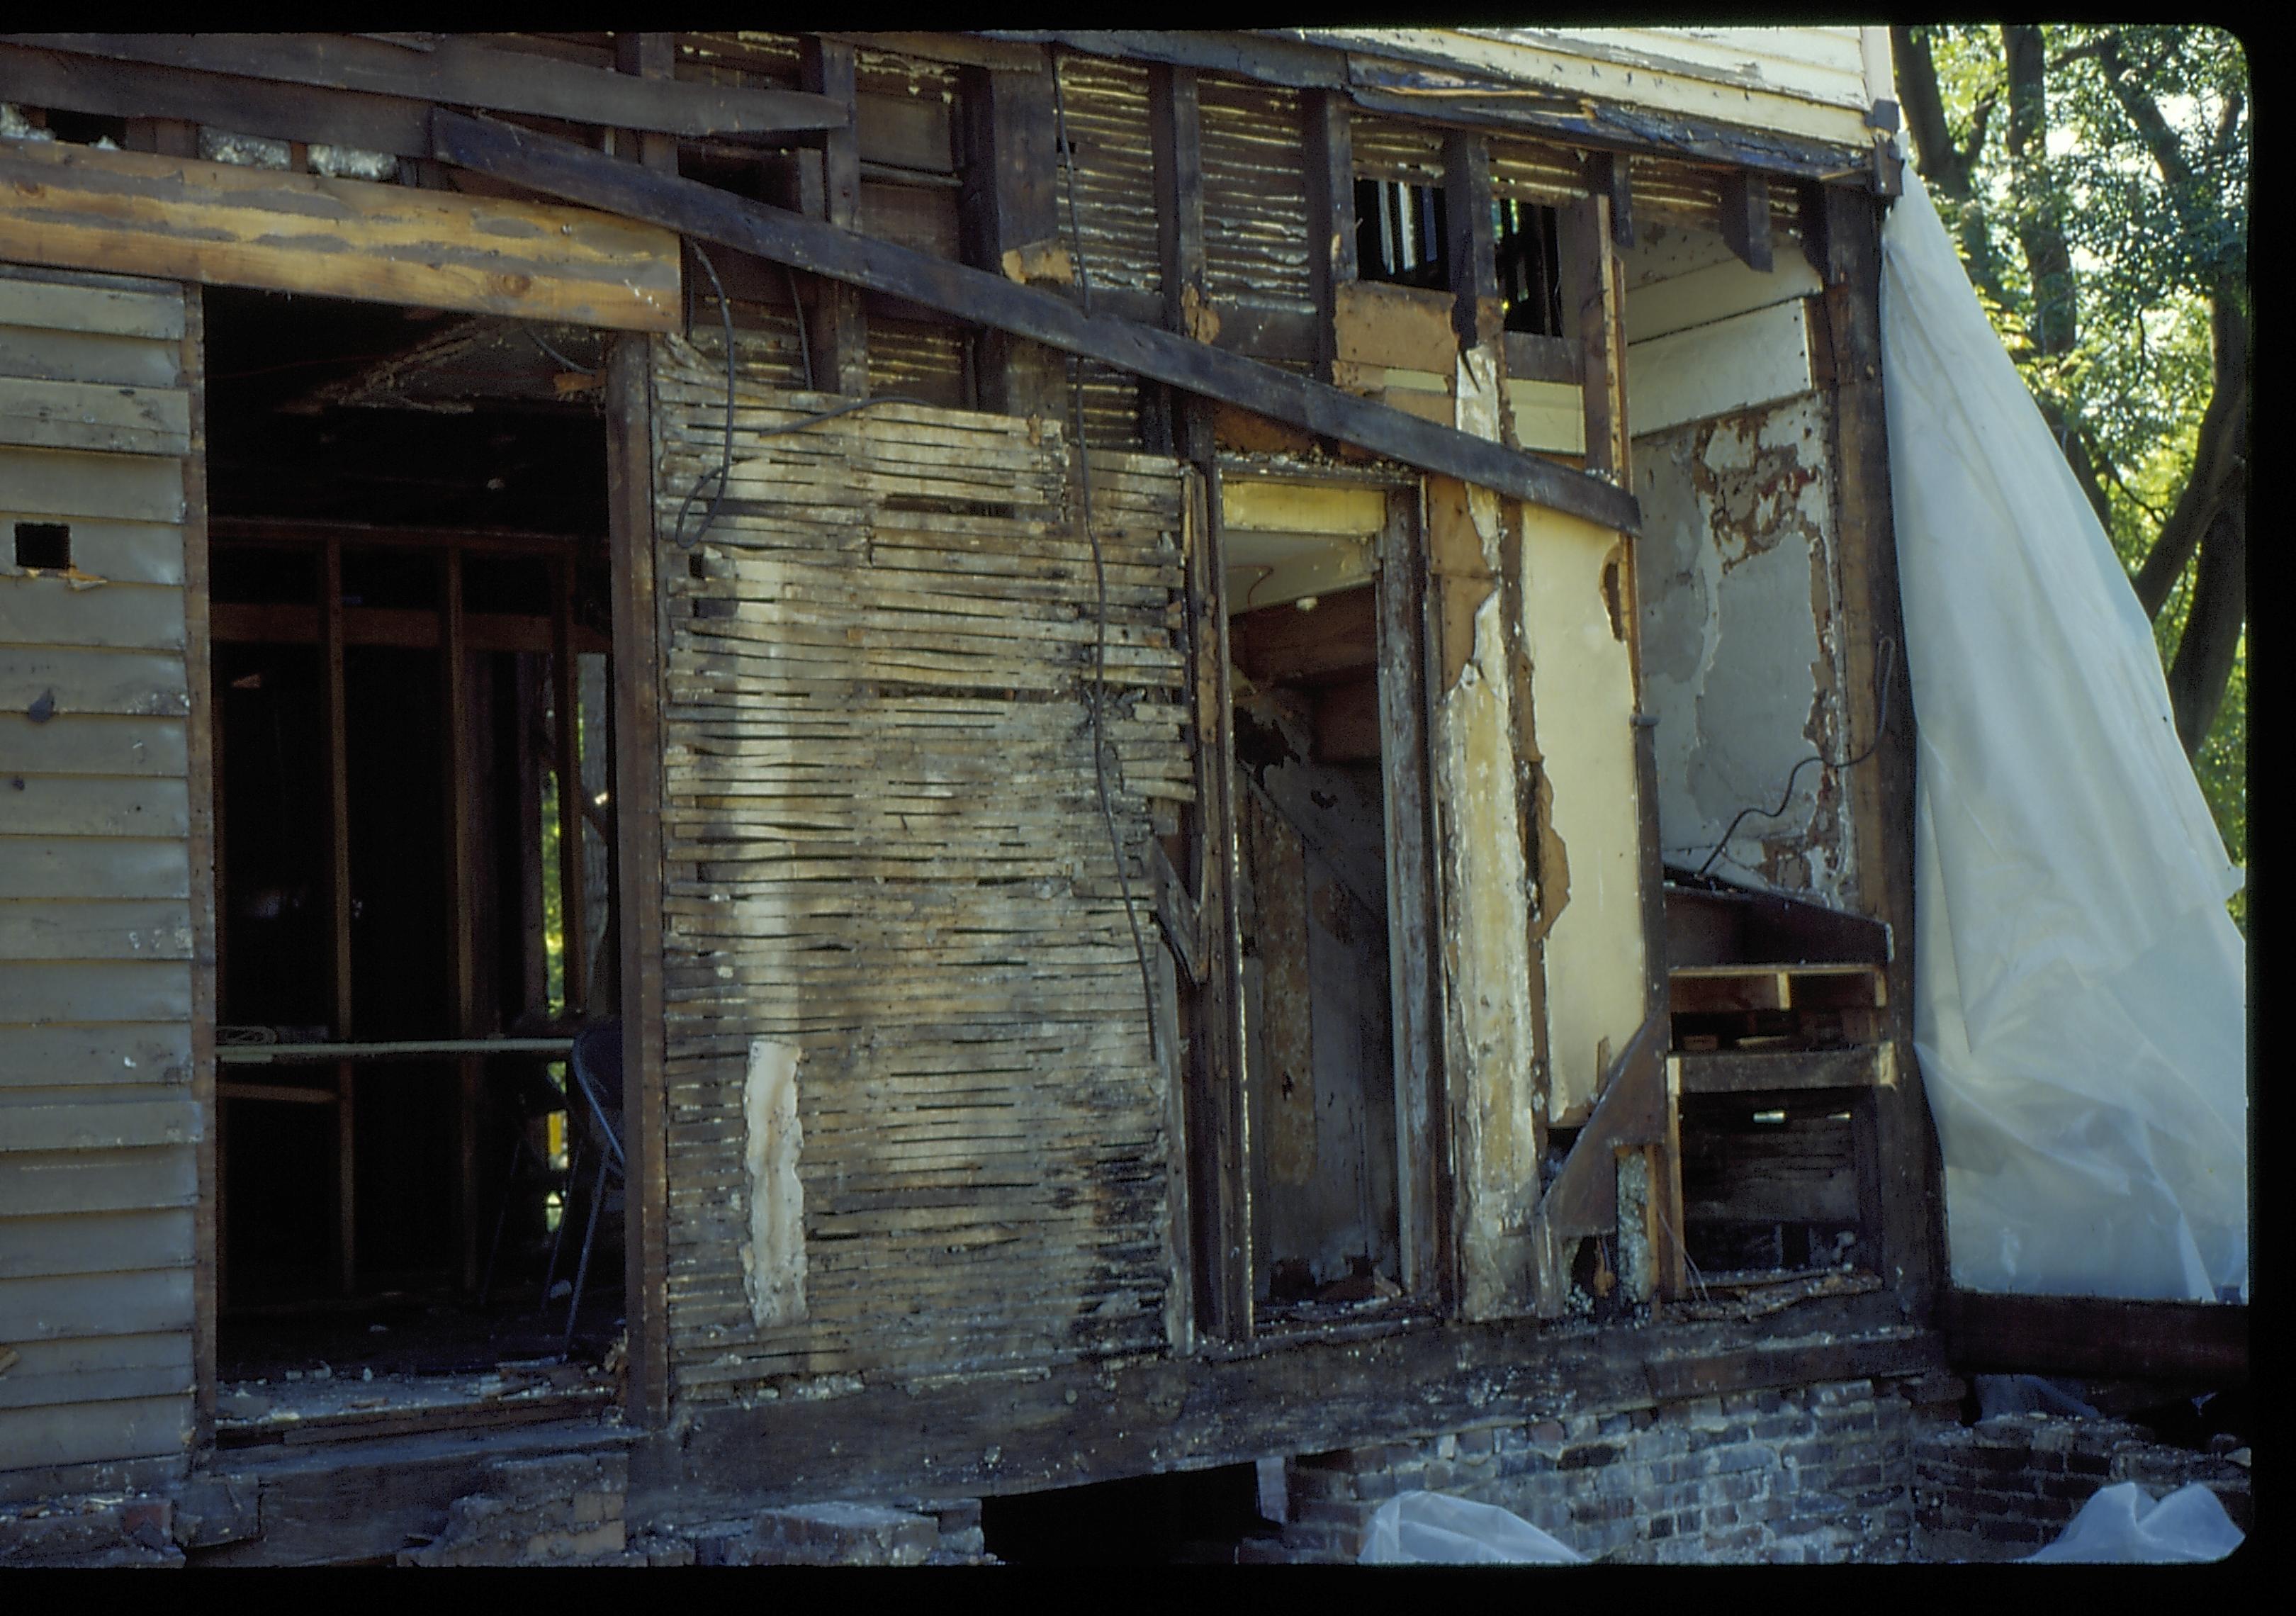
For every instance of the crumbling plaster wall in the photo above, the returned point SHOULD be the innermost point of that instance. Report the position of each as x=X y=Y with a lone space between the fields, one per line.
x=1742 y=656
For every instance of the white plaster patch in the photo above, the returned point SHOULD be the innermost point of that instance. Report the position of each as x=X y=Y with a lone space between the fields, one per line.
x=772 y=1259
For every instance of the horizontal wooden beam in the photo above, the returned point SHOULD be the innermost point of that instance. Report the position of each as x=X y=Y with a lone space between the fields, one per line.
x=111 y=87
x=297 y=531
x=404 y=627
x=175 y=218
x=559 y=168
x=1097 y=1422
x=2205 y=1344
x=457 y=71
x=1764 y=1071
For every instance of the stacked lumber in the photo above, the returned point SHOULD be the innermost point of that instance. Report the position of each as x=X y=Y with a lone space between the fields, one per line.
x=884 y=847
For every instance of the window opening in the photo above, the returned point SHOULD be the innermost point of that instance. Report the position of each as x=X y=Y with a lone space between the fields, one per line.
x=1529 y=265
x=1399 y=233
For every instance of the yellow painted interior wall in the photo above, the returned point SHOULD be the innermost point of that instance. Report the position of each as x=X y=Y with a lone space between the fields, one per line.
x=1582 y=702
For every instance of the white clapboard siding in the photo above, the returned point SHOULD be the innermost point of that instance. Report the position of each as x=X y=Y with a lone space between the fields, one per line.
x=99 y=1130
x=1815 y=83
x=1718 y=369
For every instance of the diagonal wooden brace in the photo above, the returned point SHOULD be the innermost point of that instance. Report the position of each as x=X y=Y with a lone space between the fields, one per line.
x=577 y=174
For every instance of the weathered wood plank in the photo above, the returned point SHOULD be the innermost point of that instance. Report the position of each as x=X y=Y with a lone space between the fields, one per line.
x=100 y=358
x=19 y=1390
x=94 y=930
x=85 y=415
x=837 y=328
x=67 y=805
x=70 y=482
x=106 y=1242
x=76 y=1433
x=52 y=1057
x=462 y=72
x=1880 y=794
x=89 y=868
x=562 y=169
x=67 y=682
x=1011 y=223
x=37 y=992
x=637 y=869
x=117 y=552
x=43 y=1185
x=90 y=744
x=215 y=222
x=1731 y=1071
x=117 y=310
x=97 y=1369
x=113 y=87
x=48 y=610
x=2204 y=1343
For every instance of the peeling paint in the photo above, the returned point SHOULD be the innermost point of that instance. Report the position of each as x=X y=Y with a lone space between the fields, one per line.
x=1486 y=956
x=773 y=1258
x=1741 y=662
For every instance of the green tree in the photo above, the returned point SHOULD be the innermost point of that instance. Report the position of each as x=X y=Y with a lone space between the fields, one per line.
x=2096 y=181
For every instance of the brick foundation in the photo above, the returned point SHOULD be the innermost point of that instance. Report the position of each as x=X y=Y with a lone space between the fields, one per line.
x=2001 y=1489
x=1814 y=1473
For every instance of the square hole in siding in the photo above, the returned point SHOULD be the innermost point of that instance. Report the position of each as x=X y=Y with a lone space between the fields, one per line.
x=44 y=545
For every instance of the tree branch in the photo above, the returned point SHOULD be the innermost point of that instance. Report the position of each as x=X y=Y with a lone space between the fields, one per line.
x=2055 y=323
x=2167 y=152
x=2219 y=465
x=1946 y=165
x=2204 y=656
x=2073 y=443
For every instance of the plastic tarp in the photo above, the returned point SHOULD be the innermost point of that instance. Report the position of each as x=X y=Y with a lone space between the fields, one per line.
x=2122 y=1525
x=1434 y=1528
x=2080 y=1005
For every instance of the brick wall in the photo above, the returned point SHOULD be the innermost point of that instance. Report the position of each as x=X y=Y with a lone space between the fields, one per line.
x=2001 y=1489
x=1812 y=1473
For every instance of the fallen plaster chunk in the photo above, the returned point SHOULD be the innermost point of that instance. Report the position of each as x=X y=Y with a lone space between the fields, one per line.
x=772 y=1259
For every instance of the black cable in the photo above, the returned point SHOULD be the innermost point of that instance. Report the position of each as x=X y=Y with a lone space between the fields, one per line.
x=1099 y=569
x=535 y=337
x=804 y=341
x=724 y=466
x=725 y=472
x=1880 y=727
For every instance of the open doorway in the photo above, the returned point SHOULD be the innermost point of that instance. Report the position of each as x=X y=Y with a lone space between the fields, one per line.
x=414 y=855
x=1325 y=793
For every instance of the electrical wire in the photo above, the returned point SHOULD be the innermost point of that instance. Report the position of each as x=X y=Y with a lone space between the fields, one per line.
x=535 y=337
x=1099 y=568
x=1880 y=727
x=725 y=465
x=723 y=471
x=804 y=341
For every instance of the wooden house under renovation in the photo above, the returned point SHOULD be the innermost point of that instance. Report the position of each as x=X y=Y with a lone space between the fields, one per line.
x=811 y=796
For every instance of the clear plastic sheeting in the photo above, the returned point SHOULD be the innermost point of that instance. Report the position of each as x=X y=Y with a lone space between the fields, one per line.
x=2121 y=1525
x=2080 y=1005
x=1435 y=1529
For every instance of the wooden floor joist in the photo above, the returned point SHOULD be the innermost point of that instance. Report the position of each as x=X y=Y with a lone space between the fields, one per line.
x=560 y=168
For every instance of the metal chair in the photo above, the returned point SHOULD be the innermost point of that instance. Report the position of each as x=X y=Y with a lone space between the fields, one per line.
x=530 y=1096
x=595 y=1073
